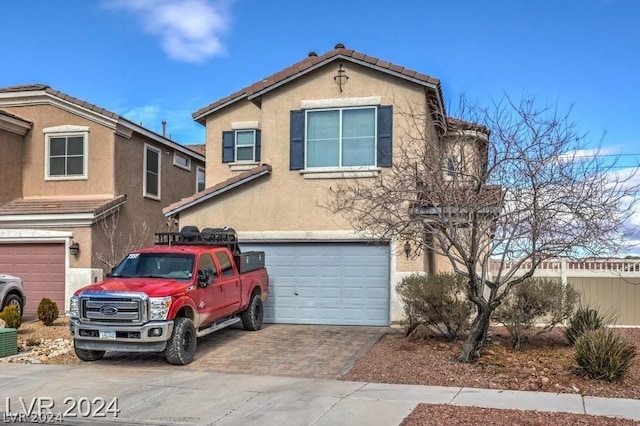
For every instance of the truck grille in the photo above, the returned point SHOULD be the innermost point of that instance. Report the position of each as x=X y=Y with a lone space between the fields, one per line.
x=113 y=309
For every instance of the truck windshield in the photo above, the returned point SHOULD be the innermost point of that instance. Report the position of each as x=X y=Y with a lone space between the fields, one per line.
x=156 y=265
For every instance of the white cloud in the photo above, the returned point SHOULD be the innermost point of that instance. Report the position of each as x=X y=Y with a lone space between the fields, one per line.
x=147 y=116
x=190 y=30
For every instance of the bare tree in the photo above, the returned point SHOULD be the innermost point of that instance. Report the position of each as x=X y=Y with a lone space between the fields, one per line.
x=511 y=185
x=118 y=242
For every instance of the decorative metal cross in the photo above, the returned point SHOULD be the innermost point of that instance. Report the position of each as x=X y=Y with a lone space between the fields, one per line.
x=340 y=78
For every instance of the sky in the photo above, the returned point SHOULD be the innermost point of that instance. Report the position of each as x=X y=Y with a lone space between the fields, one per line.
x=155 y=60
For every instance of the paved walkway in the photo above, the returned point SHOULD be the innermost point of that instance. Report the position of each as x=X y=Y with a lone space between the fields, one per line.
x=277 y=349
x=179 y=396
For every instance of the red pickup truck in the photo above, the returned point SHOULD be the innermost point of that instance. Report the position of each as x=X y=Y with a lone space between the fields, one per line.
x=162 y=298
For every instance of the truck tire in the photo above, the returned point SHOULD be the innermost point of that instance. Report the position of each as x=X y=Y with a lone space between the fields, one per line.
x=181 y=347
x=88 y=355
x=252 y=317
x=13 y=300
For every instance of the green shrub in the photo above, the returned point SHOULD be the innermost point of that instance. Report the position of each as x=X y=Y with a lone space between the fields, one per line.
x=11 y=316
x=436 y=300
x=603 y=354
x=535 y=306
x=47 y=311
x=585 y=319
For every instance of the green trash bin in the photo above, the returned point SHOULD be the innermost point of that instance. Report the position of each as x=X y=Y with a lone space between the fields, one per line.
x=8 y=341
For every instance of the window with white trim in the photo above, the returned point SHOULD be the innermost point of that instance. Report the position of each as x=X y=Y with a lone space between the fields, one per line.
x=181 y=161
x=241 y=146
x=200 y=179
x=355 y=139
x=66 y=152
x=152 y=169
x=344 y=137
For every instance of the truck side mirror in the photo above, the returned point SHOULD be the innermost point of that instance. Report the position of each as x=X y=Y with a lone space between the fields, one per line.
x=205 y=277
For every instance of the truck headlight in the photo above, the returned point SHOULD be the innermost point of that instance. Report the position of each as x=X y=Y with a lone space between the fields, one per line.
x=74 y=307
x=159 y=308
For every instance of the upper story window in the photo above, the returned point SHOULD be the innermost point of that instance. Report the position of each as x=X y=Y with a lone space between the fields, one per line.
x=350 y=138
x=453 y=166
x=181 y=161
x=341 y=138
x=66 y=152
x=241 y=146
x=200 y=179
x=152 y=172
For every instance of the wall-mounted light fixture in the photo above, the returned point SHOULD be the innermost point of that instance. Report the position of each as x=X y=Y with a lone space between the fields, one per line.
x=407 y=249
x=74 y=248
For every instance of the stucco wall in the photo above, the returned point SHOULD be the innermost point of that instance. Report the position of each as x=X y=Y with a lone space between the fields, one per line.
x=285 y=200
x=100 y=154
x=11 y=149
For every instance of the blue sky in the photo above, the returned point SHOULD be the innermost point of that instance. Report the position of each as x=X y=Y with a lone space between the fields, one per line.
x=154 y=60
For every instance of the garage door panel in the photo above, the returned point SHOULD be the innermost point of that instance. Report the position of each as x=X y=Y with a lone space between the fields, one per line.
x=327 y=283
x=41 y=267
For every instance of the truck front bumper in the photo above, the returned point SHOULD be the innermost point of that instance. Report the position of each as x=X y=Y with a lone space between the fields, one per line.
x=150 y=337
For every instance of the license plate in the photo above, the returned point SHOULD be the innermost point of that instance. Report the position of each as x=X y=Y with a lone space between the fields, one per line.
x=108 y=334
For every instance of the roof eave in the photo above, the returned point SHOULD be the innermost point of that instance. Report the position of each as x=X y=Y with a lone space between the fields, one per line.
x=160 y=139
x=206 y=197
x=320 y=64
x=200 y=118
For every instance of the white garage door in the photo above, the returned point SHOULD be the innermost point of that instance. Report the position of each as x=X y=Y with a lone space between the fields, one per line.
x=41 y=267
x=326 y=283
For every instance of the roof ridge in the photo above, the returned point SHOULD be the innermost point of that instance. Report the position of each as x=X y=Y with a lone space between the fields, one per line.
x=306 y=64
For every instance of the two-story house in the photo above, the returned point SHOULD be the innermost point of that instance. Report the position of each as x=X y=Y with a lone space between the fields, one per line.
x=276 y=148
x=79 y=185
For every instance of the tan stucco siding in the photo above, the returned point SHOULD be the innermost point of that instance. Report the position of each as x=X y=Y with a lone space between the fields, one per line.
x=286 y=201
x=99 y=150
x=11 y=149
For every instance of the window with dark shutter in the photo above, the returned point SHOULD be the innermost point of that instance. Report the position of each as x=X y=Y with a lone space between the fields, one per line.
x=228 y=147
x=385 y=136
x=296 y=154
x=341 y=138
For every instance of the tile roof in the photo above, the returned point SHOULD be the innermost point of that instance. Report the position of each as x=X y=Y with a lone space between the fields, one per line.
x=217 y=189
x=457 y=124
x=32 y=206
x=61 y=95
x=99 y=110
x=310 y=63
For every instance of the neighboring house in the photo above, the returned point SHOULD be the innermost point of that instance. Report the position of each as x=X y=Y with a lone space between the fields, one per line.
x=78 y=186
x=275 y=149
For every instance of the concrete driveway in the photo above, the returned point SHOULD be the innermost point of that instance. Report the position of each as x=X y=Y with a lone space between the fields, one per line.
x=317 y=351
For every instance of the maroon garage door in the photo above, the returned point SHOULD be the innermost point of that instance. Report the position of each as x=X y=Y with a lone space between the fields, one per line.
x=41 y=267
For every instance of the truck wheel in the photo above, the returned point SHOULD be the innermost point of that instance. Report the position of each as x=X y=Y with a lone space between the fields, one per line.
x=88 y=355
x=181 y=347
x=252 y=317
x=13 y=300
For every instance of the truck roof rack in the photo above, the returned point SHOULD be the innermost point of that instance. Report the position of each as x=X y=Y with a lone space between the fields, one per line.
x=191 y=235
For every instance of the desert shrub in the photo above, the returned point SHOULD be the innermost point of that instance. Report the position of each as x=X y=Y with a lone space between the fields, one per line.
x=47 y=311
x=11 y=316
x=436 y=300
x=603 y=354
x=585 y=319
x=535 y=306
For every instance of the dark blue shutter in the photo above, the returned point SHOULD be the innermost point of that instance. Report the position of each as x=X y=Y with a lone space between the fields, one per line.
x=385 y=136
x=228 y=147
x=296 y=148
x=258 y=146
